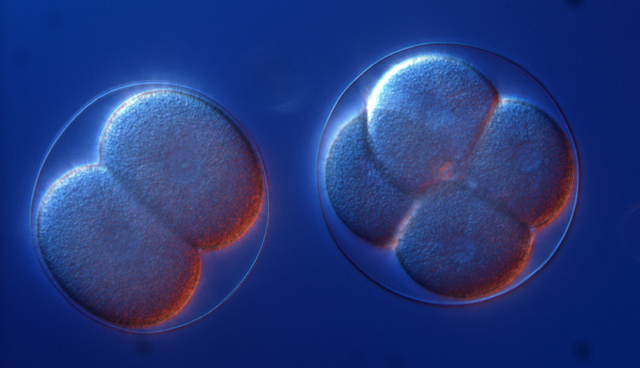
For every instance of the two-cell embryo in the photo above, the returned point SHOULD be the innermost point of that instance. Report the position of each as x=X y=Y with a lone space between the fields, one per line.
x=160 y=217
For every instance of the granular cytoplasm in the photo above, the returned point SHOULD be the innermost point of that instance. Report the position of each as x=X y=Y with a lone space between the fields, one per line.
x=133 y=209
x=110 y=254
x=186 y=160
x=364 y=199
x=462 y=182
x=425 y=113
x=523 y=148
x=459 y=245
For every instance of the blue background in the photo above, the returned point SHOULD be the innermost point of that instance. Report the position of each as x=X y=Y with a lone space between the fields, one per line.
x=279 y=67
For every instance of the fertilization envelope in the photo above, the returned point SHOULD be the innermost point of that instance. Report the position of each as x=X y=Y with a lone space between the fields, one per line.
x=446 y=176
x=175 y=176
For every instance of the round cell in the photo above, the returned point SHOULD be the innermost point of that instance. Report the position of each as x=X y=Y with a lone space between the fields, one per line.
x=425 y=113
x=187 y=161
x=459 y=245
x=363 y=198
x=110 y=254
x=150 y=208
x=447 y=174
x=522 y=147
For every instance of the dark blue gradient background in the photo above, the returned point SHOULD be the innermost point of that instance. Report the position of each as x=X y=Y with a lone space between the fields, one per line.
x=279 y=67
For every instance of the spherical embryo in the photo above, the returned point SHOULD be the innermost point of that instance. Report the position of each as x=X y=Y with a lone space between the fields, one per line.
x=452 y=176
x=122 y=237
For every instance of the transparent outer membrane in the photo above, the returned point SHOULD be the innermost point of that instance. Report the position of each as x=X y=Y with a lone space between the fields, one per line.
x=447 y=174
x=134 y=216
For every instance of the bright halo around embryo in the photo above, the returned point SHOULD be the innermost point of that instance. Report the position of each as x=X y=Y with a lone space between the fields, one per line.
x=151 y=207
x=447 y=174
